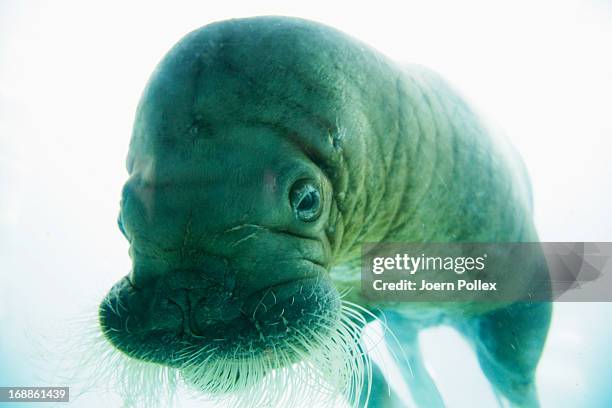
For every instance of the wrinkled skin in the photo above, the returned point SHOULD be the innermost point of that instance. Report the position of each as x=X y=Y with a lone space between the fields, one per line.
x=233 y=117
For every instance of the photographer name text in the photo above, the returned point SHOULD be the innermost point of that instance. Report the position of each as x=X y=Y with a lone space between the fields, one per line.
x=424 y=285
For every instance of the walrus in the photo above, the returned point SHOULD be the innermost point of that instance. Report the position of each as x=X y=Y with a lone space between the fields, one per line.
x=265 y=151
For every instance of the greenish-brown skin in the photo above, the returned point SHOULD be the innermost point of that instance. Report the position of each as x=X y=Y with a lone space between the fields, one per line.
x=238 y=112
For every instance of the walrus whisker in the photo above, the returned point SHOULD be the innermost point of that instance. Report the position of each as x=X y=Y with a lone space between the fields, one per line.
x=386 y=330
x=127 y=330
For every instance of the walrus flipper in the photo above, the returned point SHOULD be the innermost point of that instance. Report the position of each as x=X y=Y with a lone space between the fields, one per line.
x=509 y=343
x=402 y=340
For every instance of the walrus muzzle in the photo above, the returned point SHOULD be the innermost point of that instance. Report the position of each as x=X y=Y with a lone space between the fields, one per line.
x=165 y=323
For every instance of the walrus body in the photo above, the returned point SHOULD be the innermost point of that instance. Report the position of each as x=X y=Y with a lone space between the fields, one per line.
x=265 y=151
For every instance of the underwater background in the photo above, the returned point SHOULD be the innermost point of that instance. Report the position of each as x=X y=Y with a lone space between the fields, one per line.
x=71 y=73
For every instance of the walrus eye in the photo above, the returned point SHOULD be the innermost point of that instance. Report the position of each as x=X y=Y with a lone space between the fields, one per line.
x=306 y=201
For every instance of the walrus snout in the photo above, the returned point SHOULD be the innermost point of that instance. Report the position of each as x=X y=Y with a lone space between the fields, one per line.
x=181 y=311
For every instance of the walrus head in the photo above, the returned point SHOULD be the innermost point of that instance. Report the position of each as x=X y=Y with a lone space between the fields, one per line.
x=234 y=204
